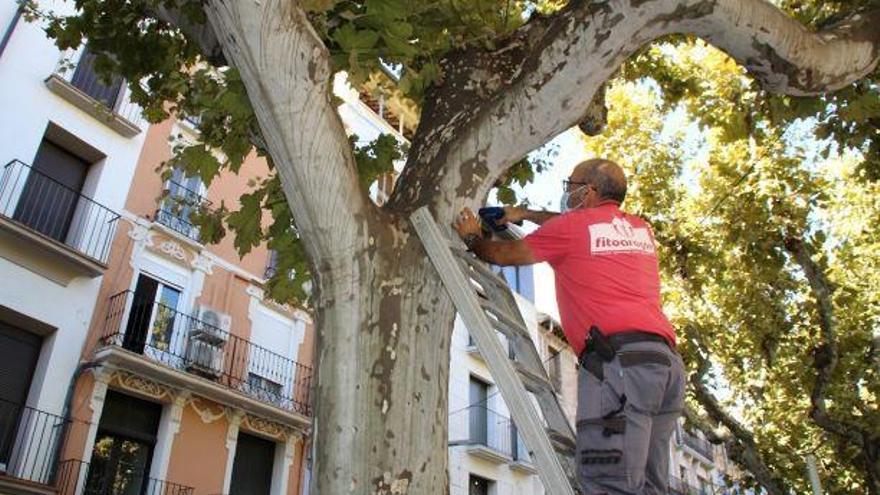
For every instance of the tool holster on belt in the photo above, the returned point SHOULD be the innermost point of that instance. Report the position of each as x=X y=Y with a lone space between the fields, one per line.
x=598 y=351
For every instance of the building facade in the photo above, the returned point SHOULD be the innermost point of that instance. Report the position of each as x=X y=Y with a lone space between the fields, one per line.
x=136 y=359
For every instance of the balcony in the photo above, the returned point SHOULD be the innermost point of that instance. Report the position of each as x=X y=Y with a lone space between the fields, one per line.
x=76 y=477
x=30 y=440
x=56 y=218
x=678 y=486
x=151 y=338
x=177 y=208
x=494 y=437
x=699 y=445
x=75 y=80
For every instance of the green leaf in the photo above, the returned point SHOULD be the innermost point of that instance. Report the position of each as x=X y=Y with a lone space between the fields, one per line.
x=246 y=222
x=350 y=38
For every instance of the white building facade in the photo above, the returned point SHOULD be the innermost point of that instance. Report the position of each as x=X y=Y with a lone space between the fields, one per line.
x=68 y=142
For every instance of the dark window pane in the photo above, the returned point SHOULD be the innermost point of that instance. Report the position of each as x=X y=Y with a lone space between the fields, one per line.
x=51 y=193
x=19 y=351
x=86 y=80
x=252 y=467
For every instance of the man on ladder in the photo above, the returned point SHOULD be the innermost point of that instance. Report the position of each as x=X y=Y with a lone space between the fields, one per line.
x=630 y=381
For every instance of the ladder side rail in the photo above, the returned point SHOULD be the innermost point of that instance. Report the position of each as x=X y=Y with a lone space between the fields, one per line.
x=512 y=390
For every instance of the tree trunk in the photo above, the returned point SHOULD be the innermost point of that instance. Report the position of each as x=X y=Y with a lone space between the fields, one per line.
x=383 y=341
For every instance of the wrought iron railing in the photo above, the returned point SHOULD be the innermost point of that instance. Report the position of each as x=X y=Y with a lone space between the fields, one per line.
x=29 y=442
x=41 y=203
x=178 y=207
x=498 y=432
x=76 y=478
x=678 y=486
x=183 y=342
x=703 y=447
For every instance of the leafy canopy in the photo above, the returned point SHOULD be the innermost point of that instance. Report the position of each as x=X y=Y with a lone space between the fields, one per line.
x=726 y=187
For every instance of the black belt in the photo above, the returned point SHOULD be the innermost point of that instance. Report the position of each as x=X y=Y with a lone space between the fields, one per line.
x=600 y=349
x=619 y=340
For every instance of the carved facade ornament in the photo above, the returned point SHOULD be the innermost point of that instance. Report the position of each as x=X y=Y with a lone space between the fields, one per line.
x=235 y=419
x=302 y=316
x=254 y=291
x=102 y=376
x=141 y=234
x=143 y=386
x=203 y=263
x=207 y=411
x=173 y=249
x=177 y=406
x=265 y=426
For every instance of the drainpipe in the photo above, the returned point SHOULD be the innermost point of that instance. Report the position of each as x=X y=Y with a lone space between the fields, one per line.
x=10 y=28
x=65 y=413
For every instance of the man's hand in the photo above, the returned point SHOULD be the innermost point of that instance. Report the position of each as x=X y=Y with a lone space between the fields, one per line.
x=467 y=225
x=501 y=253
x=513 y=214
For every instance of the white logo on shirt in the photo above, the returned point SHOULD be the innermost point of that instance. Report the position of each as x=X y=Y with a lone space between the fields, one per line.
x=619 y=236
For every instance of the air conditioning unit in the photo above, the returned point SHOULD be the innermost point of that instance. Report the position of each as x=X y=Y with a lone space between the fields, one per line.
x=204 y=358
x=210 y=326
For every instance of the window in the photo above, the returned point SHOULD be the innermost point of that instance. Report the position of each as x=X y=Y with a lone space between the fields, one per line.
x=519 y=452
x=478 y=485
x=183 y=199
x=52 y=191
x=704 y=486
x=87 y=80
x=19 y=351
x=123 y=451
x=252 y=467
x=271 y=265
x=154 y=318
x=520 y=279
x=554 y=364
x=479 y=412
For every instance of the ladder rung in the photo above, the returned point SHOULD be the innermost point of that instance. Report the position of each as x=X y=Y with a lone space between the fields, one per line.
x=480 y=267
x=503 y=318
x=562 y=443
x=534 y=383
x=553 y=414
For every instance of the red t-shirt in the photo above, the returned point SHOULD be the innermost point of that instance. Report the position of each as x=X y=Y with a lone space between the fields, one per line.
x=605 y=262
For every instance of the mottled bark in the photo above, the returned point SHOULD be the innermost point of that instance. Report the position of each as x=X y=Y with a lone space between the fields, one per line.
x=383 y=366
x=383 y=319
x=494 y=108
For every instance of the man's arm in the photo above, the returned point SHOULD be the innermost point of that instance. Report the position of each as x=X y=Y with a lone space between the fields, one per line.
x=502 y=253
x=513 y=214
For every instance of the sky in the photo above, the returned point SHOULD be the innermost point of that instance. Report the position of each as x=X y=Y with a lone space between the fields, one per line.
x=544 y=193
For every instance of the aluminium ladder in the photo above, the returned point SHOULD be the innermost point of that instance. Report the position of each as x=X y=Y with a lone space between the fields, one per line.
x=486 y=306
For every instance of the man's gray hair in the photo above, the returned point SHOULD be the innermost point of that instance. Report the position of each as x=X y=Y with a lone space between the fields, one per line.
x=607 y=177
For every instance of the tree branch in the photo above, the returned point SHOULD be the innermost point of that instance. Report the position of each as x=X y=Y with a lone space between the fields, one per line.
x=201 y=34
x=544 y=79
x=286 y=70
x=826 y=355
x=740 y=445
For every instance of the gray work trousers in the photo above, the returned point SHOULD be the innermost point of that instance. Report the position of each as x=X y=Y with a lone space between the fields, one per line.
x=625 y=420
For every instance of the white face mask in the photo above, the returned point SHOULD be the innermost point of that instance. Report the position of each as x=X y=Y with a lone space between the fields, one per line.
x=566 y=196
